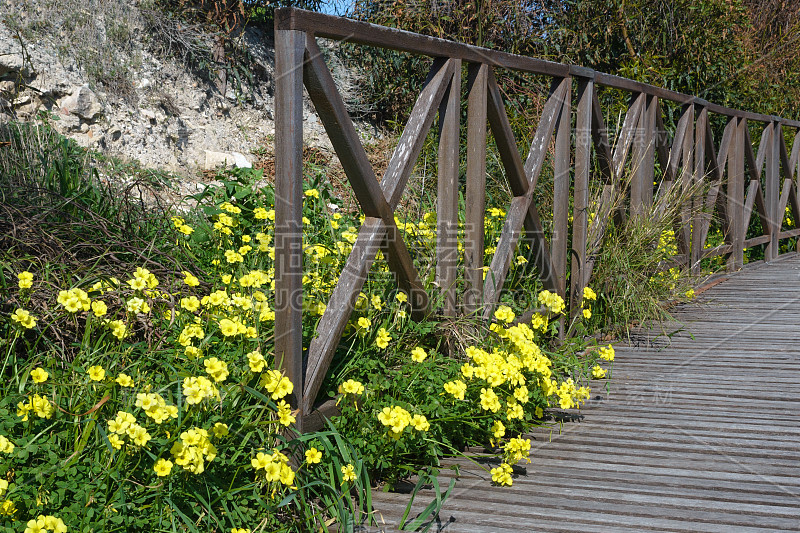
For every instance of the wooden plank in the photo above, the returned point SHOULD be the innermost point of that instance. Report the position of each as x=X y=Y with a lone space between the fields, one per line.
x=447 y=200
x=626 y=134
x=340 y=307
x=351 y=31
x=476 y=186
x=375 y=199
x=413 y=137
x=580 y=208
x=789 y=233
x=755 y=241
x=679 y=435
x=289 y=49
x=522 y=210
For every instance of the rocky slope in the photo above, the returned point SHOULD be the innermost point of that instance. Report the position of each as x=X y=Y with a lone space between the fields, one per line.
x=117 y=77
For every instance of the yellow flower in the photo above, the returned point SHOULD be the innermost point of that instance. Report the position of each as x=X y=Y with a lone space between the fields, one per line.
x=124 y=380
x=498 y=429
x=418 y=355
x=39 y=375
x=190 y=279
x=220 y=430
x=6 y=446
x=348 y=473
x=457 y=388
x=256 y=361
x=502 y=475
x=228 y=327
x=25 y=280
x=587 y=313
x=99 y=308
x=504 y=314
x=216 y=369
x=351 y=386
x=313 y=456
x=690 y=293
x=589 y=294
x=607 y=353
x=364 y=323
x=489 y=400
x=8 y=508
x=163 y=467
x=115 y=441
x=383 y=338
x=36 y=526
x=420 y=423
x=24 y=318
x=239 y=530
x=261 y=461
x=96 y=373
x=311 y=193
x=401 y=297
x=598 y=372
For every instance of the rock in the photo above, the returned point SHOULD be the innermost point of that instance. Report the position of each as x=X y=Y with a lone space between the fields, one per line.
x=67 y=123
x=82 y=102
x=12 y=63
x=148 y=114
x=226 y=159
x=114 y=133
x=8 y=87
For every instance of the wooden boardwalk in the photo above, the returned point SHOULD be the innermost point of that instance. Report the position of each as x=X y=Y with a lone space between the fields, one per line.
x=700 y=431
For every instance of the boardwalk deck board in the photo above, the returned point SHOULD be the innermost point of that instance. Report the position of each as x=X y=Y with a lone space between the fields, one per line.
x=698 y=431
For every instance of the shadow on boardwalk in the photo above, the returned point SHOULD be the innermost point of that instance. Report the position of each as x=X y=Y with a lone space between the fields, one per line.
x=700 y=431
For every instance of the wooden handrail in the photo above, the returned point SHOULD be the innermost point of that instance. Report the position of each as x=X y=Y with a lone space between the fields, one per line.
x=688 y=158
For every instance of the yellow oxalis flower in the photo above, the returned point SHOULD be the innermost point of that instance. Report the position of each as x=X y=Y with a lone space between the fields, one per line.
x=504 y=314
x=351 y=386
x=124 y=380
x=313 y=456
x=418 y=354
x=607 y=353
x=24 y=318
x=96 y=373
x=163 y=467
x=25 y=280
x=39 y=375
x=348 y=473
x=598 y=372
x=383 y=338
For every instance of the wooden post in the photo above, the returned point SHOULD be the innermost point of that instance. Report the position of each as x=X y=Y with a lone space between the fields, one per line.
x=476 y=186
x=580 y=213
x=684 y=239
x=735 y=195
x=771 y=191
x=289 y=50
x=697 y=200
x=447 y=201
x=643 y=159
x=561 y=186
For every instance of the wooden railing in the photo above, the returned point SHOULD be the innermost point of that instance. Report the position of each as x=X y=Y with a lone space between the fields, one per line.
x=688 y=156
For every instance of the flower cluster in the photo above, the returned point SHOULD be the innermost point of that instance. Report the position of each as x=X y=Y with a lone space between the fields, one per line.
x=398 y=419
